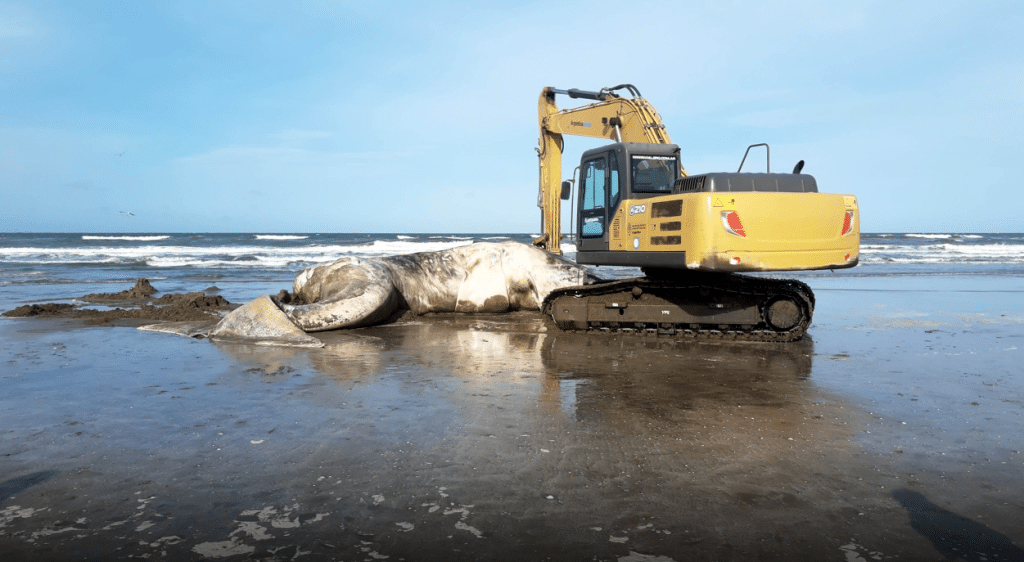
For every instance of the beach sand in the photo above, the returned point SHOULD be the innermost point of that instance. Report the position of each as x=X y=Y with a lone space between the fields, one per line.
x=893 y=432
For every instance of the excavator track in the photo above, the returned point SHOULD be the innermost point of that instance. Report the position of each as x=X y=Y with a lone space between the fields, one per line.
x=691 y=306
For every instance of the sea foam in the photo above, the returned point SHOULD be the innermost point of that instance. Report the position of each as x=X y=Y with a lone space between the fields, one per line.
x=128 y=238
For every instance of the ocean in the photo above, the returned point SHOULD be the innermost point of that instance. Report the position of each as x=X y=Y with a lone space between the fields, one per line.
x=37 y=267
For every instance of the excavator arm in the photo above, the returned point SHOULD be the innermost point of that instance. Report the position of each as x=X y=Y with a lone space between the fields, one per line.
x=611 y=117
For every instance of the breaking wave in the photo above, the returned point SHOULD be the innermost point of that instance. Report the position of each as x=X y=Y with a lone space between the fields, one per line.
x=127 y=238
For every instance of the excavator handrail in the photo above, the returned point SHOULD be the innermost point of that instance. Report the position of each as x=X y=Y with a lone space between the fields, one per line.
x=768 y=155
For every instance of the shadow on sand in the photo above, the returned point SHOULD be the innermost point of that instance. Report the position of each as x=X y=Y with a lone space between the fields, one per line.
x=15 y=486
x=955 y=536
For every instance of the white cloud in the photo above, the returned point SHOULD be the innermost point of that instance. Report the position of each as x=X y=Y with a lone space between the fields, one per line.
x=773 y=118
x=292 y=137
x=23 y=37
x=18 y=23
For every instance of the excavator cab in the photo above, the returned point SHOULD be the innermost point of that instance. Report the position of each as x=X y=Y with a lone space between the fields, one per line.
x=614 y=172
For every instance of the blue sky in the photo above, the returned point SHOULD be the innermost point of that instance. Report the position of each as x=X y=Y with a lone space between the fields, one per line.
x=421 y=117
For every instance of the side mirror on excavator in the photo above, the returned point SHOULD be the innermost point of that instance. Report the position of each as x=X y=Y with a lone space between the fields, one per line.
x=566 y=189
x=799 y=167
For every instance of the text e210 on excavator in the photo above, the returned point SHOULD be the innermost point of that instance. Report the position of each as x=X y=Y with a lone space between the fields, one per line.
x=691 y=235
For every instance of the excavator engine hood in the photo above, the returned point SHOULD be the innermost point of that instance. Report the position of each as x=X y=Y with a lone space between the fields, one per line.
x=735 y=182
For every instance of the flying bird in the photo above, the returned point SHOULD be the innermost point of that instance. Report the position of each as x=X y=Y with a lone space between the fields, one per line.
x=127 y=213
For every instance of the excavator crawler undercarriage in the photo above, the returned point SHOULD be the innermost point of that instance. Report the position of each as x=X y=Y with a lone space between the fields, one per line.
x=693 y=306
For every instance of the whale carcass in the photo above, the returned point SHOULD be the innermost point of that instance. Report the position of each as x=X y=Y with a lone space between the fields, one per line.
x=353 y=292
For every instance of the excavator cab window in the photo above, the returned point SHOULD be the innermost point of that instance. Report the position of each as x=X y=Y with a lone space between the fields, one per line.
x=653 y=174
x=592 y=208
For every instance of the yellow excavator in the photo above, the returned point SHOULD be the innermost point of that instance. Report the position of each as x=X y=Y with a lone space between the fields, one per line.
x=690 y=234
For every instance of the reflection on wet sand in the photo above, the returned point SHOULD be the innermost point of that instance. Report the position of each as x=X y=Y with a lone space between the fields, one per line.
x=753 y=399
x=349 y=356
x=712 y=393
x=608 y=429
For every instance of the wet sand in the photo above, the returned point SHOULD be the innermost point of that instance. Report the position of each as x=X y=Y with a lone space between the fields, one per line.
x=894 y=432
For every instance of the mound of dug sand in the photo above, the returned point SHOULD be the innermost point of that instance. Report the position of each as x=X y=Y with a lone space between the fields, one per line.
x=142 y=290
x=138 y=305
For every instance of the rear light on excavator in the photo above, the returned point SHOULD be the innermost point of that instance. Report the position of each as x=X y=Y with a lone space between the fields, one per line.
x=847 y=223
x=732 y=224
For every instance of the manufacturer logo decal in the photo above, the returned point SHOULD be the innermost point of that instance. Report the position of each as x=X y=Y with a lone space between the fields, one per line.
x=579 y=124
x=637 y=209
x=636 y=243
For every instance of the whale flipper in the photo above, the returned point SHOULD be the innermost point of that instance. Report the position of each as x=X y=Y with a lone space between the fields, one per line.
x=262 y=322
x=347 y=293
